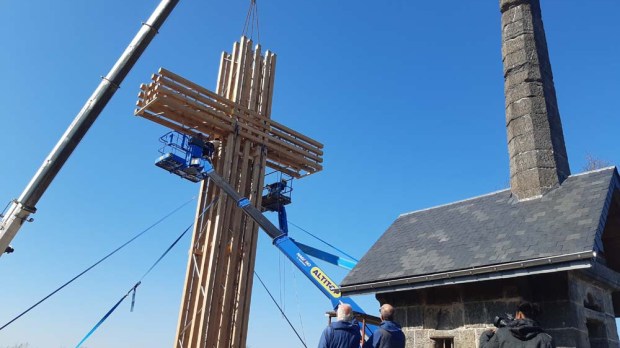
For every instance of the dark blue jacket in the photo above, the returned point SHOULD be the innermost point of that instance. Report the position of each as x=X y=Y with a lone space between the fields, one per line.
x=341 y=334
x=388 y=335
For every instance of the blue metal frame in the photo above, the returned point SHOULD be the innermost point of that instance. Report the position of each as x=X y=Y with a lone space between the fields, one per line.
x=179 y=157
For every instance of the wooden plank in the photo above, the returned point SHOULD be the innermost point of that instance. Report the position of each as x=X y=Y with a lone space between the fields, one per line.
x=221 y=75
x=237 y=222
x=211 y=266
x=214 y=329
x=201 y=90
x=272 y=76
x=200 y=102
x=197 y=91
x=302 y=151
x=192 y=285
x=287 y=137
x=256 y=78
x=209 y=114
x=260 y=108
x=171 y=105
x=236 y=95
x=190 y=85
x=280 y=158
x=184 y=92
x=164 y=123
x=285 y=170
x=246 y=74
x=248 y=260
x=176 y=102
x=277 y=153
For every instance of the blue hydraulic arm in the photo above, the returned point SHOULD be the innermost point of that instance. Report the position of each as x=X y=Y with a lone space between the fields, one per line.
x=277 y=198
x=327 y=257
x=283 y=242
x=196 y=166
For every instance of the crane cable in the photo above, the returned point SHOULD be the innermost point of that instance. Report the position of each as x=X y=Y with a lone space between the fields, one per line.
x=251 y=22
x=281 y=311
x=97 y=263
x=301 y=322
x=133 y=289
x=324 y=242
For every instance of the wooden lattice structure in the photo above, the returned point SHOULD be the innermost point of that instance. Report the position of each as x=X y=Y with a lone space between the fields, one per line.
x=216 y=298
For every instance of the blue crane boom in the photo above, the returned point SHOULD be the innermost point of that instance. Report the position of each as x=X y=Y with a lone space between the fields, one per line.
x=285 y=243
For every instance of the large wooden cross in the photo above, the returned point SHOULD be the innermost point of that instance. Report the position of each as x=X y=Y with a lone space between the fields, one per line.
x=218 y=284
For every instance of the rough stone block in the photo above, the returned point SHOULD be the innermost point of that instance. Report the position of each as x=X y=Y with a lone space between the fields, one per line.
x=443 y=317
x=511 y=291
x=519 y=43
x=505 y=5
x=407 y=298
x=443 y=295
x=517 y=21
x=522 y=186
x=526 y=124
x=450 y=317
x=612 y=330
x=476 y=314
x=550 y=287
x=557 y=314
x=524 y=90
x=515 y=14
x=569 y=337
x=531 y=160
x=420 y=338
x=519 y=58
x=500 y=308
x=415 y=317
x=430 y=317
x=529 y=142
x=548 y=178
x=466 y=338
x=400 y=314
x=527 y=72
x=533 y=182
x=481 y=291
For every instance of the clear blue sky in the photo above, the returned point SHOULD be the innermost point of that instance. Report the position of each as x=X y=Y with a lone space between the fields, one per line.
x=407 y=97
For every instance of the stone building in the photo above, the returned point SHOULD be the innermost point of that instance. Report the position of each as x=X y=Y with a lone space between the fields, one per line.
x=552 y=238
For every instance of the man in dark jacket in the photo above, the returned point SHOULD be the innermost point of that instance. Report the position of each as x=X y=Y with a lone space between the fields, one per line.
x=522 y=332
x=344 y=333
x=389 y=334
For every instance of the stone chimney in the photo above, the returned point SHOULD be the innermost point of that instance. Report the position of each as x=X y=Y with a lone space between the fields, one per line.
x=538 y=160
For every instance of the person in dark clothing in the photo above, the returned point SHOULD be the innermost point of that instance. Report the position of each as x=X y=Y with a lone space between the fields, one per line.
x=522 y=332
x=344 y=333
x=201 y=148
x=389 y=334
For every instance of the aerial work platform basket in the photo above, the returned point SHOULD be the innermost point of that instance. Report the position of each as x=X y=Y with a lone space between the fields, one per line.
x=184 y=156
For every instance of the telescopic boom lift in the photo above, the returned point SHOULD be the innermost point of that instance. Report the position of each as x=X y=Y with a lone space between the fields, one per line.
x=191 y=161
x=22 y=207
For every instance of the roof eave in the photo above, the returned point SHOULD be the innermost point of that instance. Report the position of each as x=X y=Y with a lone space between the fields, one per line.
x=548 y=264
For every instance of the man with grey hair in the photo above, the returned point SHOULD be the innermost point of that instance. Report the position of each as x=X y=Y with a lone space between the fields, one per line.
x=344 y=333
x=389 y=334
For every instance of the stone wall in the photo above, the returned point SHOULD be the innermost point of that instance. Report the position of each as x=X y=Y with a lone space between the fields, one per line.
x=594 y=324
x=462 y=312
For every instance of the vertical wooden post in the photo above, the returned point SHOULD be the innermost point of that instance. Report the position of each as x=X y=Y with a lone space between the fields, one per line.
x=216 y=300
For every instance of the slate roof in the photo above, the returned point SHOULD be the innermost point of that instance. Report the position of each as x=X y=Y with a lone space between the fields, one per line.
x=493 y=229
